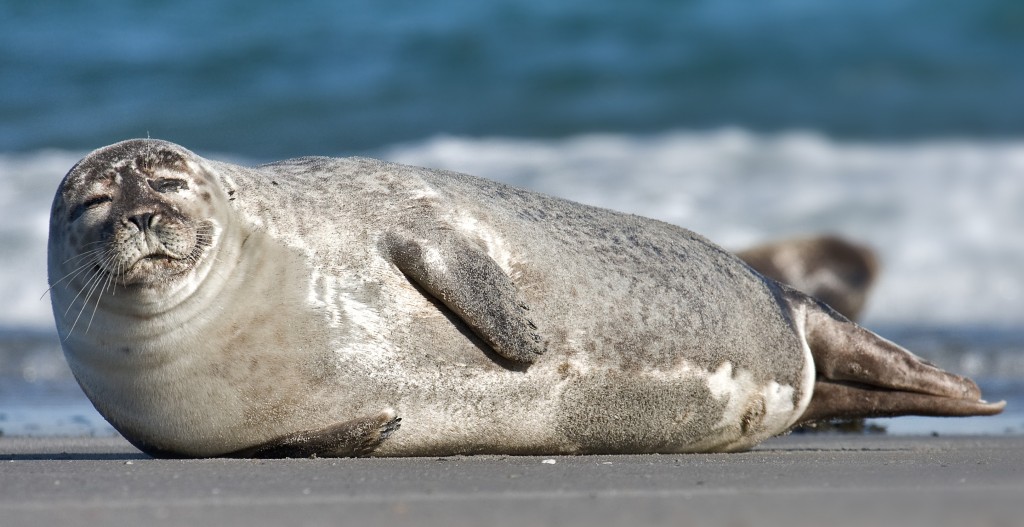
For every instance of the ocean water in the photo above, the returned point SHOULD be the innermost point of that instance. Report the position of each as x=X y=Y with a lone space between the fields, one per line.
x=259 y=78
x=898 y=124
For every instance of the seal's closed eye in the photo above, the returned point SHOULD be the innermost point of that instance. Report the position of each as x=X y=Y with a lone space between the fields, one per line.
x=88 y=204
x=165 y=185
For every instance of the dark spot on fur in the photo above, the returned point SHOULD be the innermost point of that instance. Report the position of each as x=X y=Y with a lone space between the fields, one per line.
x=564 y=369
x=753 y=416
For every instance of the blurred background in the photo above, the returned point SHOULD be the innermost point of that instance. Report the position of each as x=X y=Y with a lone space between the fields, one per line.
x=894 y=123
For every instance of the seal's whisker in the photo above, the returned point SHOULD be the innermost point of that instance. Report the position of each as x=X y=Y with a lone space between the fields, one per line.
x=91 y=285
x=101 y=274
x=117 y=274
x=91 y=277
x=100 y=268
x=110 y=283
x=93 y=243
x=92 y=274
x=107 y=283
x=91 y=254
x=85 y=303
x=85 y=254
x=71 y=274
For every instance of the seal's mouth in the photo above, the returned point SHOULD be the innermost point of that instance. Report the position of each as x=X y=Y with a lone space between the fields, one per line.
x=153 y=268
x=156 y=257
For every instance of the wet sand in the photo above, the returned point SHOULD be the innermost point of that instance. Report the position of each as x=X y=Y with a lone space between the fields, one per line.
x=795 y=480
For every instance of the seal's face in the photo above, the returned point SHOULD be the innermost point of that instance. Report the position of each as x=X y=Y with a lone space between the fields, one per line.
x=137 y=217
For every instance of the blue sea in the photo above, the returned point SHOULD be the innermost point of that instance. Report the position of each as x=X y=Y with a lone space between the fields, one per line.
x=894 y=123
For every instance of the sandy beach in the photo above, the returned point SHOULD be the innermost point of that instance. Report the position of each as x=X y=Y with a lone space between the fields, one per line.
x=794 y=480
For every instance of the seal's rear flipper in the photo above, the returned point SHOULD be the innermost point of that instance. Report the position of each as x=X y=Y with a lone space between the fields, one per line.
x=860 y=374
x=832 y=399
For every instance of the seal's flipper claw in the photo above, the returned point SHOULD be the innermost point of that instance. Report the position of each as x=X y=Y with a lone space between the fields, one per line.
x=860 y=374
x=470 y=283
x=355 y=438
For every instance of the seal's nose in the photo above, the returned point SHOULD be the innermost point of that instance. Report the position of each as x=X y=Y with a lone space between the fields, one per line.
x=143 y=220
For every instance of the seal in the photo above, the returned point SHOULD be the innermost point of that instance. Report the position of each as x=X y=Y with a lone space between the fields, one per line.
x=836 y=271
x=303 y=307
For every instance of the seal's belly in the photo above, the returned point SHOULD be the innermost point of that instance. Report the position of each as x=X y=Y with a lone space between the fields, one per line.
x=586 y=410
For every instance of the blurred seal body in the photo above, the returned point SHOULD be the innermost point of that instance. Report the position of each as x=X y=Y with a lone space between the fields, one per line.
x=303 y=307
x=836 y=271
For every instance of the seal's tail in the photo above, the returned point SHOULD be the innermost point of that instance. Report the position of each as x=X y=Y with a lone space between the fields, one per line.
x=860 y=374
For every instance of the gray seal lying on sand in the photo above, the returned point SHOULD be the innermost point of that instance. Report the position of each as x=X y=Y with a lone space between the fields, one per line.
x=303 y=307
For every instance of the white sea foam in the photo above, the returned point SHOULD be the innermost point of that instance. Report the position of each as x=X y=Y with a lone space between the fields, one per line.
x=947 y=216
x=28 y=182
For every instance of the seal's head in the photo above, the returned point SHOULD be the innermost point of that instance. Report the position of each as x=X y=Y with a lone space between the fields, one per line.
x=134 y=219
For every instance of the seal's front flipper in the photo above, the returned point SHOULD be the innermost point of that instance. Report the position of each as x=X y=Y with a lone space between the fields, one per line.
x=860 y=374
x=470 y=283
x=355 y=438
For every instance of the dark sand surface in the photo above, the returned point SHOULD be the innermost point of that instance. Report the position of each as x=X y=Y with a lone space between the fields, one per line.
x=796 y=480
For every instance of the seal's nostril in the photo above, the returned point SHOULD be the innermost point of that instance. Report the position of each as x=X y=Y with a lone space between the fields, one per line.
x=142 y=220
